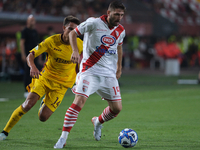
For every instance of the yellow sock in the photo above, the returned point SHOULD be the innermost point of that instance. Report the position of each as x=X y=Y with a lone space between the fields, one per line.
x=15 y=117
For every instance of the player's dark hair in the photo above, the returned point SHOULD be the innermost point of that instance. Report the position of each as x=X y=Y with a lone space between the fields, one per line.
x=116 y=4
x=69 y=19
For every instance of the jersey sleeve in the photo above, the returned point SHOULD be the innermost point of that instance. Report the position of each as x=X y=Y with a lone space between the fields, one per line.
x=41 y=48
x=85 y=26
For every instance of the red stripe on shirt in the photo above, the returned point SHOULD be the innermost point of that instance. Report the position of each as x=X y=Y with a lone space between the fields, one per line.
x=95 y=57
x=117 y=32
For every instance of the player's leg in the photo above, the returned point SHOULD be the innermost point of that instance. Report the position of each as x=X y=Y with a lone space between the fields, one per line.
x=53 y=98
x=108 y=113
x=44 y=113
x=70 y=119
x=51 y=101
x=86 y=86
x=109 y=91
x=18 y=113
x=73 y=111
x=37 y=90
x=111 y=111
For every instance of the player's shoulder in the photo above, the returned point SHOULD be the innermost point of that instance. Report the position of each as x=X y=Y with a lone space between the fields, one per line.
x=92 y=20
x=121 y=27
x=53 y=38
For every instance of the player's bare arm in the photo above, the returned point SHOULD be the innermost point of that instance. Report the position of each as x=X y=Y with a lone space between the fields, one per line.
x=72 y=39
x=34 y=72
x=119 y=63
x=23 y=55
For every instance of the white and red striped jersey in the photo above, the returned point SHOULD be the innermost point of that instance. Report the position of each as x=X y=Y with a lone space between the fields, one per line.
x=100 y=46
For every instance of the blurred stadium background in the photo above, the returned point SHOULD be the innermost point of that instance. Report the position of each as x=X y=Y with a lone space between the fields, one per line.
x=158 y=31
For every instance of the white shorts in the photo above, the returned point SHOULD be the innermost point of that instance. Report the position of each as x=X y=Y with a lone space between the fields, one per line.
x=106 y=87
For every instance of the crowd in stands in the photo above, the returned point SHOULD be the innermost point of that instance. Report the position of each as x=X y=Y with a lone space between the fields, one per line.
x=137 y=49
x=56 y=7
x=179 y=11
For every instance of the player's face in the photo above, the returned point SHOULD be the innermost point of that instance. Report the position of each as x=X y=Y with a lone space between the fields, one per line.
x=115 y=16
x=67 y=29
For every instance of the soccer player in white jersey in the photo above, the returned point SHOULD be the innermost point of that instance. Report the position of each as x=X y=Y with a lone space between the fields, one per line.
x=100 y=68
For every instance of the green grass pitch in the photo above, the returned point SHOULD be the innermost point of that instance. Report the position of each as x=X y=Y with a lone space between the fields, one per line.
x=165 y=115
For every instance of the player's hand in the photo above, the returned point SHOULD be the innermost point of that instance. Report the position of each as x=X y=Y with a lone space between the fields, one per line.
x=34 y=72
x=118 y=73
x=75 y=57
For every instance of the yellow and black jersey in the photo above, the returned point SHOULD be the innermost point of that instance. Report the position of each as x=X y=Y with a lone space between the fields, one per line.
x=58 y=66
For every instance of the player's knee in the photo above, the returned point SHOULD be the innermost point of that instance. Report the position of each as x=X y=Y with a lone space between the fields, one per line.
x=119 y=109
x=44 y=113
x=27 y=105
x=30 y=102
x=43 y=118
x=116 y=107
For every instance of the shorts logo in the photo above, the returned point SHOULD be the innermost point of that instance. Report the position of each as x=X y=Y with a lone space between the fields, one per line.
x=108 y=40
x=85 y=88
x=86 y=82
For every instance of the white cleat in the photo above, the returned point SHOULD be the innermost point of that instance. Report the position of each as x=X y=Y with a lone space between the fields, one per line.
x=60 y=144
x=97 y=129
x=2 y=136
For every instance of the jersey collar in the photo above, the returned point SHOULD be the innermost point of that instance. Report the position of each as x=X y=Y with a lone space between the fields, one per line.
x=61 y=39
x=104 y=19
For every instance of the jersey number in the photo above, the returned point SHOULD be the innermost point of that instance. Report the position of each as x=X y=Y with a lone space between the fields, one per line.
x=57 y=103
x=116 y=89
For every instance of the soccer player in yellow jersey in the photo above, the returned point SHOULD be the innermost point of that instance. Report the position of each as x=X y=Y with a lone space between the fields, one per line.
x=56 y=77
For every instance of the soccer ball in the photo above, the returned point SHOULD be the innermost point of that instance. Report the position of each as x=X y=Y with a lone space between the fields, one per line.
x=128 y=138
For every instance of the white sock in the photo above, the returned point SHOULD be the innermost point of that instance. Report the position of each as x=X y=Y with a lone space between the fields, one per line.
x=98 y=123
x=64 y=135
